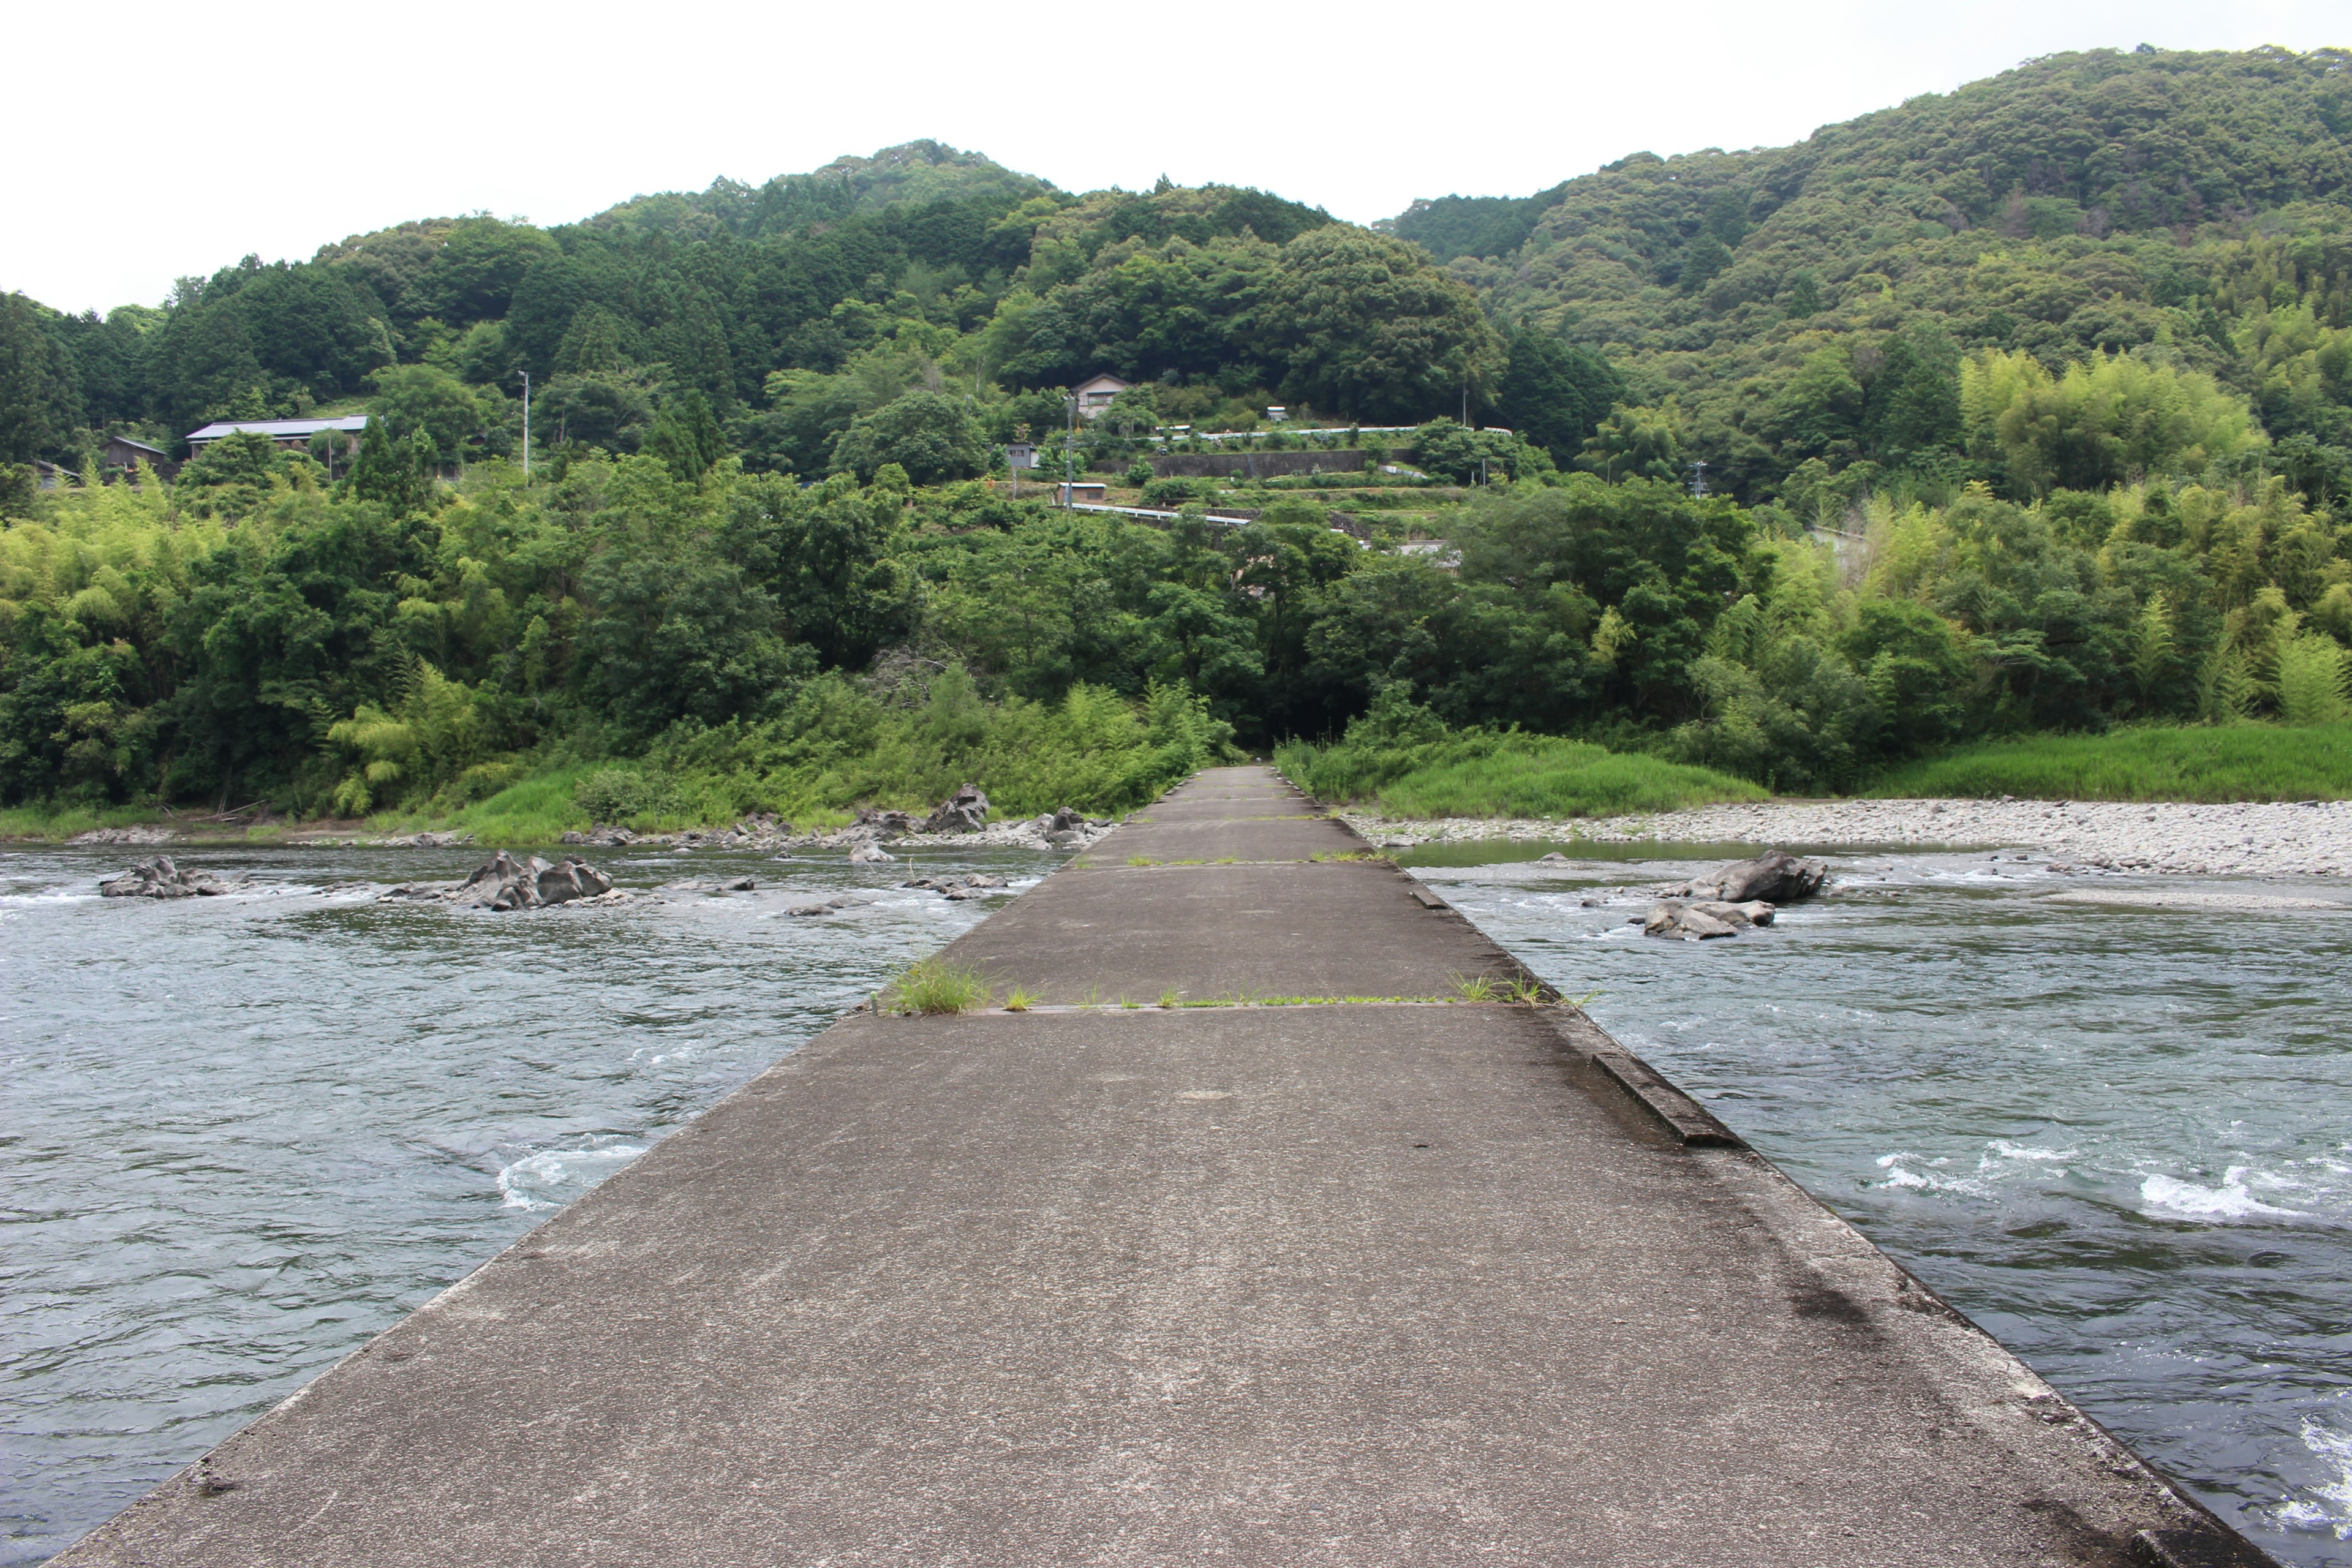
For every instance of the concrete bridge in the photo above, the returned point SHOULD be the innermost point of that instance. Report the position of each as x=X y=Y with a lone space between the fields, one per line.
x=1370 y=1279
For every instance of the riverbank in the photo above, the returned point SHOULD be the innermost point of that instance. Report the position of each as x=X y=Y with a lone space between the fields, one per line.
x=2308 y=838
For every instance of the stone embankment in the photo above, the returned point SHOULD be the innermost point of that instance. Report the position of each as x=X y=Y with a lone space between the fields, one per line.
x=2310 y=838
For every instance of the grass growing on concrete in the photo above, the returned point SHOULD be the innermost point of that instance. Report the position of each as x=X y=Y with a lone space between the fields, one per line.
x=2218 y=762
x=1488 y=773
x=933 y=988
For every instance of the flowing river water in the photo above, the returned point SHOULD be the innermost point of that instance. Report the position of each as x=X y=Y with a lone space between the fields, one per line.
x=245 y=1134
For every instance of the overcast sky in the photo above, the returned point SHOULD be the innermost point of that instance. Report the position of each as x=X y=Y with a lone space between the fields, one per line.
x=160 y=140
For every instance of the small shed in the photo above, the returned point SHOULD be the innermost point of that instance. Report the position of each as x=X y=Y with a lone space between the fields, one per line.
x=123 y=455
x=1095 y=393
x=1083 y=491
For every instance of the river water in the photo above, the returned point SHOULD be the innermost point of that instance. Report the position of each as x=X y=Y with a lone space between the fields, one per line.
x=245 y=1134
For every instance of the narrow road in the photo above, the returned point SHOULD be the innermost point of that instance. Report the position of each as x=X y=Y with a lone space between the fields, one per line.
x=1346 y=1275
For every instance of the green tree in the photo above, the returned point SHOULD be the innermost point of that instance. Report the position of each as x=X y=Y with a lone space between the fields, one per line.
x=39 y=401
x=390 y=472
x=1363 y=325
x=1555 y=393
x=1637 y=442
x=686 y=437
x=932 y=436
x=413 y=398
x=2105 y=419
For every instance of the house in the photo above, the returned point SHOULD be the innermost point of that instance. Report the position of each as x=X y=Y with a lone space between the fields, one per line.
x=1085 y=492
x=123 y=455
x=1094 y=392
x=286 y=434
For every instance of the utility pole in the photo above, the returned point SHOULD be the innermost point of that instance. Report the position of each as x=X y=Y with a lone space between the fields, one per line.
x=526 y=424
x=1070 y=453
x=1698 y=479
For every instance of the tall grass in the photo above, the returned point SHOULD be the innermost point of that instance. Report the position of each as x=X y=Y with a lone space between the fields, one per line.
x=1488 y=773
x=933 y=986
x=2222 y=763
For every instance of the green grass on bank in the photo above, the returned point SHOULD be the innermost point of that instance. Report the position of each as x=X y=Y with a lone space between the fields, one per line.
x=53 y=824
x=1485 y=773
x=2222 y=763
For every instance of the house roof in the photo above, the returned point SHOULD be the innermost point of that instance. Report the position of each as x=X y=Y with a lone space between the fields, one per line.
x=277 y=427
x=1093 y=383
x=127 y=441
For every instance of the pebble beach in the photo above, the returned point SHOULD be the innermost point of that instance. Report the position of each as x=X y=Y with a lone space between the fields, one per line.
x=2307 y=838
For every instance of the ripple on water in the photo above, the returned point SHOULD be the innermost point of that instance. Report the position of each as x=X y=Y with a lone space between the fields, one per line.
x=2114 y=1134
x=247 y=1134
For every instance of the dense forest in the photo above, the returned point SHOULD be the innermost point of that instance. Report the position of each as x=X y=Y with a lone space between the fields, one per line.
x=2023 y=407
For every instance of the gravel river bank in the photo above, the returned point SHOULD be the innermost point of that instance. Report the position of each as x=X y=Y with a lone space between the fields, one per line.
x=2309 y=839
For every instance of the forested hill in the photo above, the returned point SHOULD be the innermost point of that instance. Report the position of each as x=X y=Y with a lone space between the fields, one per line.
x=1813 y=322
x=2061 y=361
x=2188 y=209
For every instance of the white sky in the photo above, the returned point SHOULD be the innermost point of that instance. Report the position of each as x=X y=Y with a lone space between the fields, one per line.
x=161 y=140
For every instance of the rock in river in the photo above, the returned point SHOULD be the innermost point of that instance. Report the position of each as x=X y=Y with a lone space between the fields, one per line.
x=159 y=878
x=966 y=811
x=1699 y=919
x=1776 y=876
x=503 y=882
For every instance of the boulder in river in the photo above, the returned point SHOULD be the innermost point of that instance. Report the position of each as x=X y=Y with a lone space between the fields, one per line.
x=966 y=811
x=887 y=823
x=1698 y=920
x=503 y=882
x=159 y=878
x=1775 y=875
x=870 y=854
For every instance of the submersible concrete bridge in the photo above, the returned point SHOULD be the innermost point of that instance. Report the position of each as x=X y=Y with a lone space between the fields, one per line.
x=1369 y=1280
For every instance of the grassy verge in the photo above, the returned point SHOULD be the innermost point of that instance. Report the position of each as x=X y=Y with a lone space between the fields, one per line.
x=2222 y=762
x=53 y=824
x=1479 y=774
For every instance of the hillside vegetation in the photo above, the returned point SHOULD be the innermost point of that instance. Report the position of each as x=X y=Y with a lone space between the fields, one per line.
x=2025 y=408
x=1799 y=316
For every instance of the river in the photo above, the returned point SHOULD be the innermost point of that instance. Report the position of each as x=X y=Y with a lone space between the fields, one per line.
x=246 y=1133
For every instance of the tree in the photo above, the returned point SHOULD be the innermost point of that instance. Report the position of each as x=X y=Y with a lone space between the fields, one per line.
x=2104 y=420
x=1555 y=393
x=687 y=438
x=39 y=401
x=928 y=434
x=1637 y=443
x=473 y=276
x=411 y=398
x=823 y=557
x=389 y=471
x=608 y=410
x=1364 y=326
x=1911 y=411
x=1470 y=457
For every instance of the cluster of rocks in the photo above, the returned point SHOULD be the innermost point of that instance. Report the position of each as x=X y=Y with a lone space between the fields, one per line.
x=2301 y=838
x=421 y=841
x=138 y=833
x=961 y=819
x=504 y=882
x=762 y=830
x=959 y=889
x=1735 y=898
x=159 y=878
x=712 y=885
